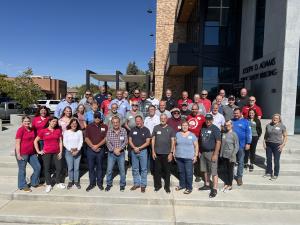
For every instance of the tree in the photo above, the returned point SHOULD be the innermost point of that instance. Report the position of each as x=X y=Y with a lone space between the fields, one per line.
x=132 y=69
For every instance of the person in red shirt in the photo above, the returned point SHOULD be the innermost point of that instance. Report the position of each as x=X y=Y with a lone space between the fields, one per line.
x=185 y=98
x=205 y=101
x=25 y=154
x=252 y=105
x=51 y=151
x=105 y=104
x=196 y=121
x=136 y=96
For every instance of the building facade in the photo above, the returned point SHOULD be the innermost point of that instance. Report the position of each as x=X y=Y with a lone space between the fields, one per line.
x=229 y=44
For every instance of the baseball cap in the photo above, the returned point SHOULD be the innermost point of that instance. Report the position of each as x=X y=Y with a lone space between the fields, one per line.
x=231 y=97
x=175 y=110
x=184 y=103
x=209 y=117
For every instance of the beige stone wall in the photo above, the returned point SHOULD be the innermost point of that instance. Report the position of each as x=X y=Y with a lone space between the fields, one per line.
x=167 y=31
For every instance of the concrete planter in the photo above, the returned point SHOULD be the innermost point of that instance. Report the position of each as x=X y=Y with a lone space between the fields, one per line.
x=16 y=119
x=0 y=125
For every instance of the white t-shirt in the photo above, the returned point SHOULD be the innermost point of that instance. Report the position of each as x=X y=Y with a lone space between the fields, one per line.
x=151 y=122
x=219 y=120
x=154 y=102
x=72 y=139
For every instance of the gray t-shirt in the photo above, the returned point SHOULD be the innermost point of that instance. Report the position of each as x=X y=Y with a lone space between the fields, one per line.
x=131 y=118
x=230 y=146
x=163 y=136
x=228 y=111
x=274 y=133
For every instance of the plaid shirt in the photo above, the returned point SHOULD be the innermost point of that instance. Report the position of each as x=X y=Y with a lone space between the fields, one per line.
x=116 y=139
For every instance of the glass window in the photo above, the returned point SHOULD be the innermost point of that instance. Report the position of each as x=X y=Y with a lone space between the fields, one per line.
x=259 y=29
x=211 y=35
x=11 y=106
x=214 y=3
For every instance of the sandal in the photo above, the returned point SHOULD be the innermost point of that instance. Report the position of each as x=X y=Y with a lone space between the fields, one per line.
x=178 y=188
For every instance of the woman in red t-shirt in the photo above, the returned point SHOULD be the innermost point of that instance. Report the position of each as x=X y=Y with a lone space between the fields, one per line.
x=51 y=151
x=25 y=154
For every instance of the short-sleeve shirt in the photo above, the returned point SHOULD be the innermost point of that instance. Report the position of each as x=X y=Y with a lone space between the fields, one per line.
x=255 y=107
x=51 y=140
x=139 y=135
x=26 y=140
x=274 y=133
x=219 y=120
x=185 y=146
x=163 y=136
x=131 y=118
x=209 y=136
x=39 y=123
x=195 y=123
x=96 y=133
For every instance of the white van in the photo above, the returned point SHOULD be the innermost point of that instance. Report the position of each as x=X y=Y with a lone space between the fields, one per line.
x=50 y=104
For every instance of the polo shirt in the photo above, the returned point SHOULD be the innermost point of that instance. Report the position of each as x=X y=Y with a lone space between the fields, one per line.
x=96 y=133
x=139 y=135
x=158 y=112
x=130 y=117
x=51 y=140
x=151 y=122
x=26 y=140
x=175 y=123
x=195 y=123
x=163 y=136
x=123 y=106
x=207 y=104
x=228 y=111
x=219 y=120
x=209 y=136
x=246 y=109
x=39 y=123
x=110 y=115
x=274 y=133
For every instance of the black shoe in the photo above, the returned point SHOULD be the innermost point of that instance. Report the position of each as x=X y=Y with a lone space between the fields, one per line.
x=246 y=166
x=197 y=179
x=77 y=184
x=70 y=184
x=204 y=188
x=107 y=188
x=213 y=193
x=251 y=167
x=168 y=191
x=157 y=189
x=122 y=188
x=90 y=187
x=101 y=188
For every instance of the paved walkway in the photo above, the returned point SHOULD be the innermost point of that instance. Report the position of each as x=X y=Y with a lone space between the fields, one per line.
x=258 y=201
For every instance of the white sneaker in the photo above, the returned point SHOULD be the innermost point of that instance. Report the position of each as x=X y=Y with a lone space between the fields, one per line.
x=61 y=186
x=48 y=188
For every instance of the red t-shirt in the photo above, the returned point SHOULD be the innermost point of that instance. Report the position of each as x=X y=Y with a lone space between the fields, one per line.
x=195 y=123
x=51 y=140
x=27 y=138
x=207 y=104
x=180 y=101
x=104 y=106
x=39 y=123
x=134 y=99
x=246 y=109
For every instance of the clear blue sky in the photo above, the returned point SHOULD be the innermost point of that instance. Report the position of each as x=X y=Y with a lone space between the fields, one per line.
x=63 y=38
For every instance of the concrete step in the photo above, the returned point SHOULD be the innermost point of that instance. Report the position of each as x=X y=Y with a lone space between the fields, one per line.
x=237 y=198
x=78 y=213
x=231 y=216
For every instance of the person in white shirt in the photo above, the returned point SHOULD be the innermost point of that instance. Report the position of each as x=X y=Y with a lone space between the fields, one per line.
x=72 y=141
x=154 y=101
x=219 y=119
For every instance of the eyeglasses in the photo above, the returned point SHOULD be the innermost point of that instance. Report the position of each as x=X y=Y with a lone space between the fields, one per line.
x=134 y=105
x=136 y=93
x=87 y=93
x=203 y=94
x=97 y=117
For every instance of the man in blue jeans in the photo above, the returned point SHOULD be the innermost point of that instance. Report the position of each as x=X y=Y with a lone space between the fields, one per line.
x=95 y=140
x=139 y=140
x=242 y=128
x=116 y=141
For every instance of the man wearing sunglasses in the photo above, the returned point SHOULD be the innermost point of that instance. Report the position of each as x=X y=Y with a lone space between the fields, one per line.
x=136 y=96
x=68 y=101
x=252 y=105
x=87 y=94
x=205 y=101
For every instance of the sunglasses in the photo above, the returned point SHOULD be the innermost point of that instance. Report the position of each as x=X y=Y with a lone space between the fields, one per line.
x=97 y=117
x=136 y=93
x=134 y=105
x=251 y=100
x=203 y=94
x=69 y=97
x=87 y=93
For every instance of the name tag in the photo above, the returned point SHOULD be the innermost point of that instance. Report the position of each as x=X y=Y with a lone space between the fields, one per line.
x=130 y=117
x=253 y=122
x=135 y=133
x=179 y=127
x=190 y=137
x=122 y=138
x=110 y=118
x=158 y=132
x=277 y=128
x=198 y=118
x=39 y=121
x=102 y=129
x=123 y=106
x=209 y=131
x=47 y=133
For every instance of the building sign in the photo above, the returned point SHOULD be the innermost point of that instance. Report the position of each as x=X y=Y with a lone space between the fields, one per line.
x=264 y=67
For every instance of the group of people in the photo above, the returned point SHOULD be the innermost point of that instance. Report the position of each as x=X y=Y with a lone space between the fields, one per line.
x=195 y=135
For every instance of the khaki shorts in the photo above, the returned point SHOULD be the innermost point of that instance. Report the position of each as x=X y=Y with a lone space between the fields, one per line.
x=208 y=166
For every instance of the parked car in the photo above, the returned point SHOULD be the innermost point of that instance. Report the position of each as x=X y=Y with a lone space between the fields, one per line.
x=7 y=108
x=50 y=104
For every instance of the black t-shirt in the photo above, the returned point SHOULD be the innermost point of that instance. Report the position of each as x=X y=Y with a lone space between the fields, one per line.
x=163 y=136
x=209 y=137
x=139 y=135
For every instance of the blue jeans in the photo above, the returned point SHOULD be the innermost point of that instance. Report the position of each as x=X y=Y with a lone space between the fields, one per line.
x=185 y=169
x=240 y=160
x=272 y=149
x=139 y=179
x=95 y=165
x=111 y=160
x=73 y=163
x=34 y=179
